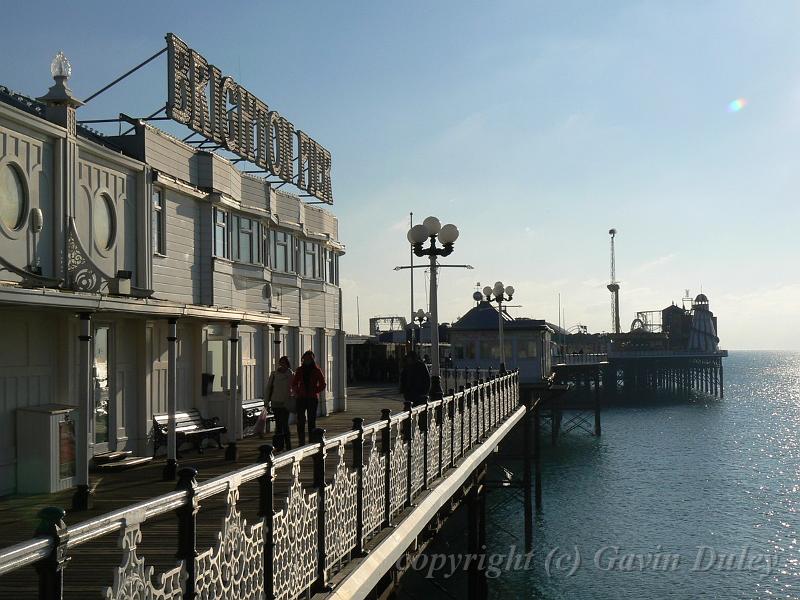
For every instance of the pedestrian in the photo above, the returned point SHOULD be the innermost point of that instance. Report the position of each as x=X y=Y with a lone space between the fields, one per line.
x=415 y=381
x=308 y=382
x=278 y=395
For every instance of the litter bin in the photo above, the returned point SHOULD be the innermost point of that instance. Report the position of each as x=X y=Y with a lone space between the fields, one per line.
x=46 y=451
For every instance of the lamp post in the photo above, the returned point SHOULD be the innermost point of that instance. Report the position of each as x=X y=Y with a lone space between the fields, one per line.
x=420 y=317
x=432 y=229
x=500 y=292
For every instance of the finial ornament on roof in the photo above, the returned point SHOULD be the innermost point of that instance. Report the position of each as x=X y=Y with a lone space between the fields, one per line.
x=61 y=67
x=59 y=94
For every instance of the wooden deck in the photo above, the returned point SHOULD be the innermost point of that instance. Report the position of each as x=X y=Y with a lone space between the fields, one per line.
x=93 y=563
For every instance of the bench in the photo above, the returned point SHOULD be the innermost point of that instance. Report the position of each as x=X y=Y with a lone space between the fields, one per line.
x=190 y=427
x=251 y=409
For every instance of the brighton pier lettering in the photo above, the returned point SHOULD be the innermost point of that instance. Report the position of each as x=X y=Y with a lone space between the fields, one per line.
x=220 y=109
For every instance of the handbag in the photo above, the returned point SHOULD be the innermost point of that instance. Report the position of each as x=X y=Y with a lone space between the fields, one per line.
x=261 y=424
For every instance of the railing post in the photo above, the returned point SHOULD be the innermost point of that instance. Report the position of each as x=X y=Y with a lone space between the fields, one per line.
x=440 y=417
x=424 y=428
x=457 y=412
x=266 y=510
x=490 y=400
x=358 y=465
x=386 y=449
x=408 y=435
x=187 y=529
x=318 y=436
x=51 y=569
x=482 y=410
x=470 y=416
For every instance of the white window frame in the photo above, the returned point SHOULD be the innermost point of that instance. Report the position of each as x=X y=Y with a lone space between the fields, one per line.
x=159 y=222
x=225 y=227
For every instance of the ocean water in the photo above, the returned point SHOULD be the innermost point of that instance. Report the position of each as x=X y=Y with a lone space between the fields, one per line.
x=679 y=498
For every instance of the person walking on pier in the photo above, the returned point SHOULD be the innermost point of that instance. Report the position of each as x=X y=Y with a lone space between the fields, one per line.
x=278 y=395
x=415 y=381
x=308 y=382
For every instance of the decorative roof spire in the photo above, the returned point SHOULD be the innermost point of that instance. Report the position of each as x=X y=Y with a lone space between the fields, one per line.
x=59 y=94
x=60 y=67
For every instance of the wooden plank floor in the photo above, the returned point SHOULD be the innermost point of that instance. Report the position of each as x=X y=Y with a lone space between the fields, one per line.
x=92 y=565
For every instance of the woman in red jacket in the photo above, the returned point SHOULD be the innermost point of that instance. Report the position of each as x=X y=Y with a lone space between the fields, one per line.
x=308 y=382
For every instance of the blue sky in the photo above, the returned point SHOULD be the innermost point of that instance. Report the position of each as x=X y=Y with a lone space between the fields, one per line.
x=533 y=126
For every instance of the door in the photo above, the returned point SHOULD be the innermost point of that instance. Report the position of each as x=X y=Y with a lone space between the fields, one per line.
x=102 y=378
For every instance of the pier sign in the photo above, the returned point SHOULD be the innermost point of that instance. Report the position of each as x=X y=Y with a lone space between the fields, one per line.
x=215 y=106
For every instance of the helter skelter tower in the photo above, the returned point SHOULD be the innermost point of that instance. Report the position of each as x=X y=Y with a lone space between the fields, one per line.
x=613 y=287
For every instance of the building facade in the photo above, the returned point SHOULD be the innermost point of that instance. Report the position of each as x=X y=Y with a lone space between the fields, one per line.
x=131 y=262
x=475 y=342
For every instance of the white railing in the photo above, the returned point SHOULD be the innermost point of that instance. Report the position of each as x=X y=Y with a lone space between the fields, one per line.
x=300 y=538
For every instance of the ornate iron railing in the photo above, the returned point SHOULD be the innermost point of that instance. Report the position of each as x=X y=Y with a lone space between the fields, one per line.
x=301 y=537
x=454 y=377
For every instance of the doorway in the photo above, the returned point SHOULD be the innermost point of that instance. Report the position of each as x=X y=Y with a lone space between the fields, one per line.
x=102 y=385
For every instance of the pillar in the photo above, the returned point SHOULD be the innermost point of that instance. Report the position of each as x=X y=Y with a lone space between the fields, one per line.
x=234 y=424
x=171 y=468
x=526 y=472
x=83 y=447
x=476 y=545
x=597 y=429
x=276 y=344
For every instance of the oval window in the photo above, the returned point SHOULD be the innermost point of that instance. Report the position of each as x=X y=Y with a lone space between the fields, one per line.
x=103 y=222
x=12 y=198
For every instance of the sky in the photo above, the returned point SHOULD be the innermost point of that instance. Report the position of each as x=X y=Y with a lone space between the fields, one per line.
x=533 y=126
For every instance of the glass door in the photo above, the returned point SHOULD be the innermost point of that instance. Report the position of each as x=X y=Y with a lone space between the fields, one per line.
x=102 y=371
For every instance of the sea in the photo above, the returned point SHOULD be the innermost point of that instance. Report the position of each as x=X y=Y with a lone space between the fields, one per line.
x=680 y=497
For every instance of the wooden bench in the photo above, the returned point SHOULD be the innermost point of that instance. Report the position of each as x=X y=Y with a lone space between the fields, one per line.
x=190 y=427
x=251 y=409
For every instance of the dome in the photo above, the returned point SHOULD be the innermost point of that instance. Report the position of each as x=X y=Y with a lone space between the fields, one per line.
x=701 y=298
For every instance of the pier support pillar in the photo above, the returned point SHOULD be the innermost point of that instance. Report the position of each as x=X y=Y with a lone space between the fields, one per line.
x=537 y=457
x=526 y=471
x=476 y=507
x=597 y=430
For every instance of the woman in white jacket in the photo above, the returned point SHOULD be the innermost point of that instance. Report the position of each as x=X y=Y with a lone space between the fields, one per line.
x=278 y=395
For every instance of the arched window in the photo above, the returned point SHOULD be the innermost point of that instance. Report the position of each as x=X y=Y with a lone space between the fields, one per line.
x=103 y=222
x=13 y=201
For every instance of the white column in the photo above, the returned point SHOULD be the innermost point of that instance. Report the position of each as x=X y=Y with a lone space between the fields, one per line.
x=172 y=398
x=84 y=444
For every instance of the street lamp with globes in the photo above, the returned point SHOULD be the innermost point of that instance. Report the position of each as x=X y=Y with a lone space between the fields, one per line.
x=432 y=229
x=500 y=292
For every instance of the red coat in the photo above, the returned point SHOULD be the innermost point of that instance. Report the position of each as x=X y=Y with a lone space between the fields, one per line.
x=317 y=383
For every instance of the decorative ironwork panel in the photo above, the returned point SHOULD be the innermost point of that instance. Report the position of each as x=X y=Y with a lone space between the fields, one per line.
x=84 y=276
x=134 y=580
x=417 y=458
x=433 y=447
x=340 y=512
x=446 y=435
x=374 y=487
x=399 y=471
x=457 y=416
x=296 y=540
x=235 y=567
x=473 y=398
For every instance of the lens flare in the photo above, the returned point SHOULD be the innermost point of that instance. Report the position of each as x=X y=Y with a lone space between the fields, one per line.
x=736 y=105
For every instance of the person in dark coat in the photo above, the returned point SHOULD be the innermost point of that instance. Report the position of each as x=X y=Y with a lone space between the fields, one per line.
x=308 y=382
x=415 y=381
